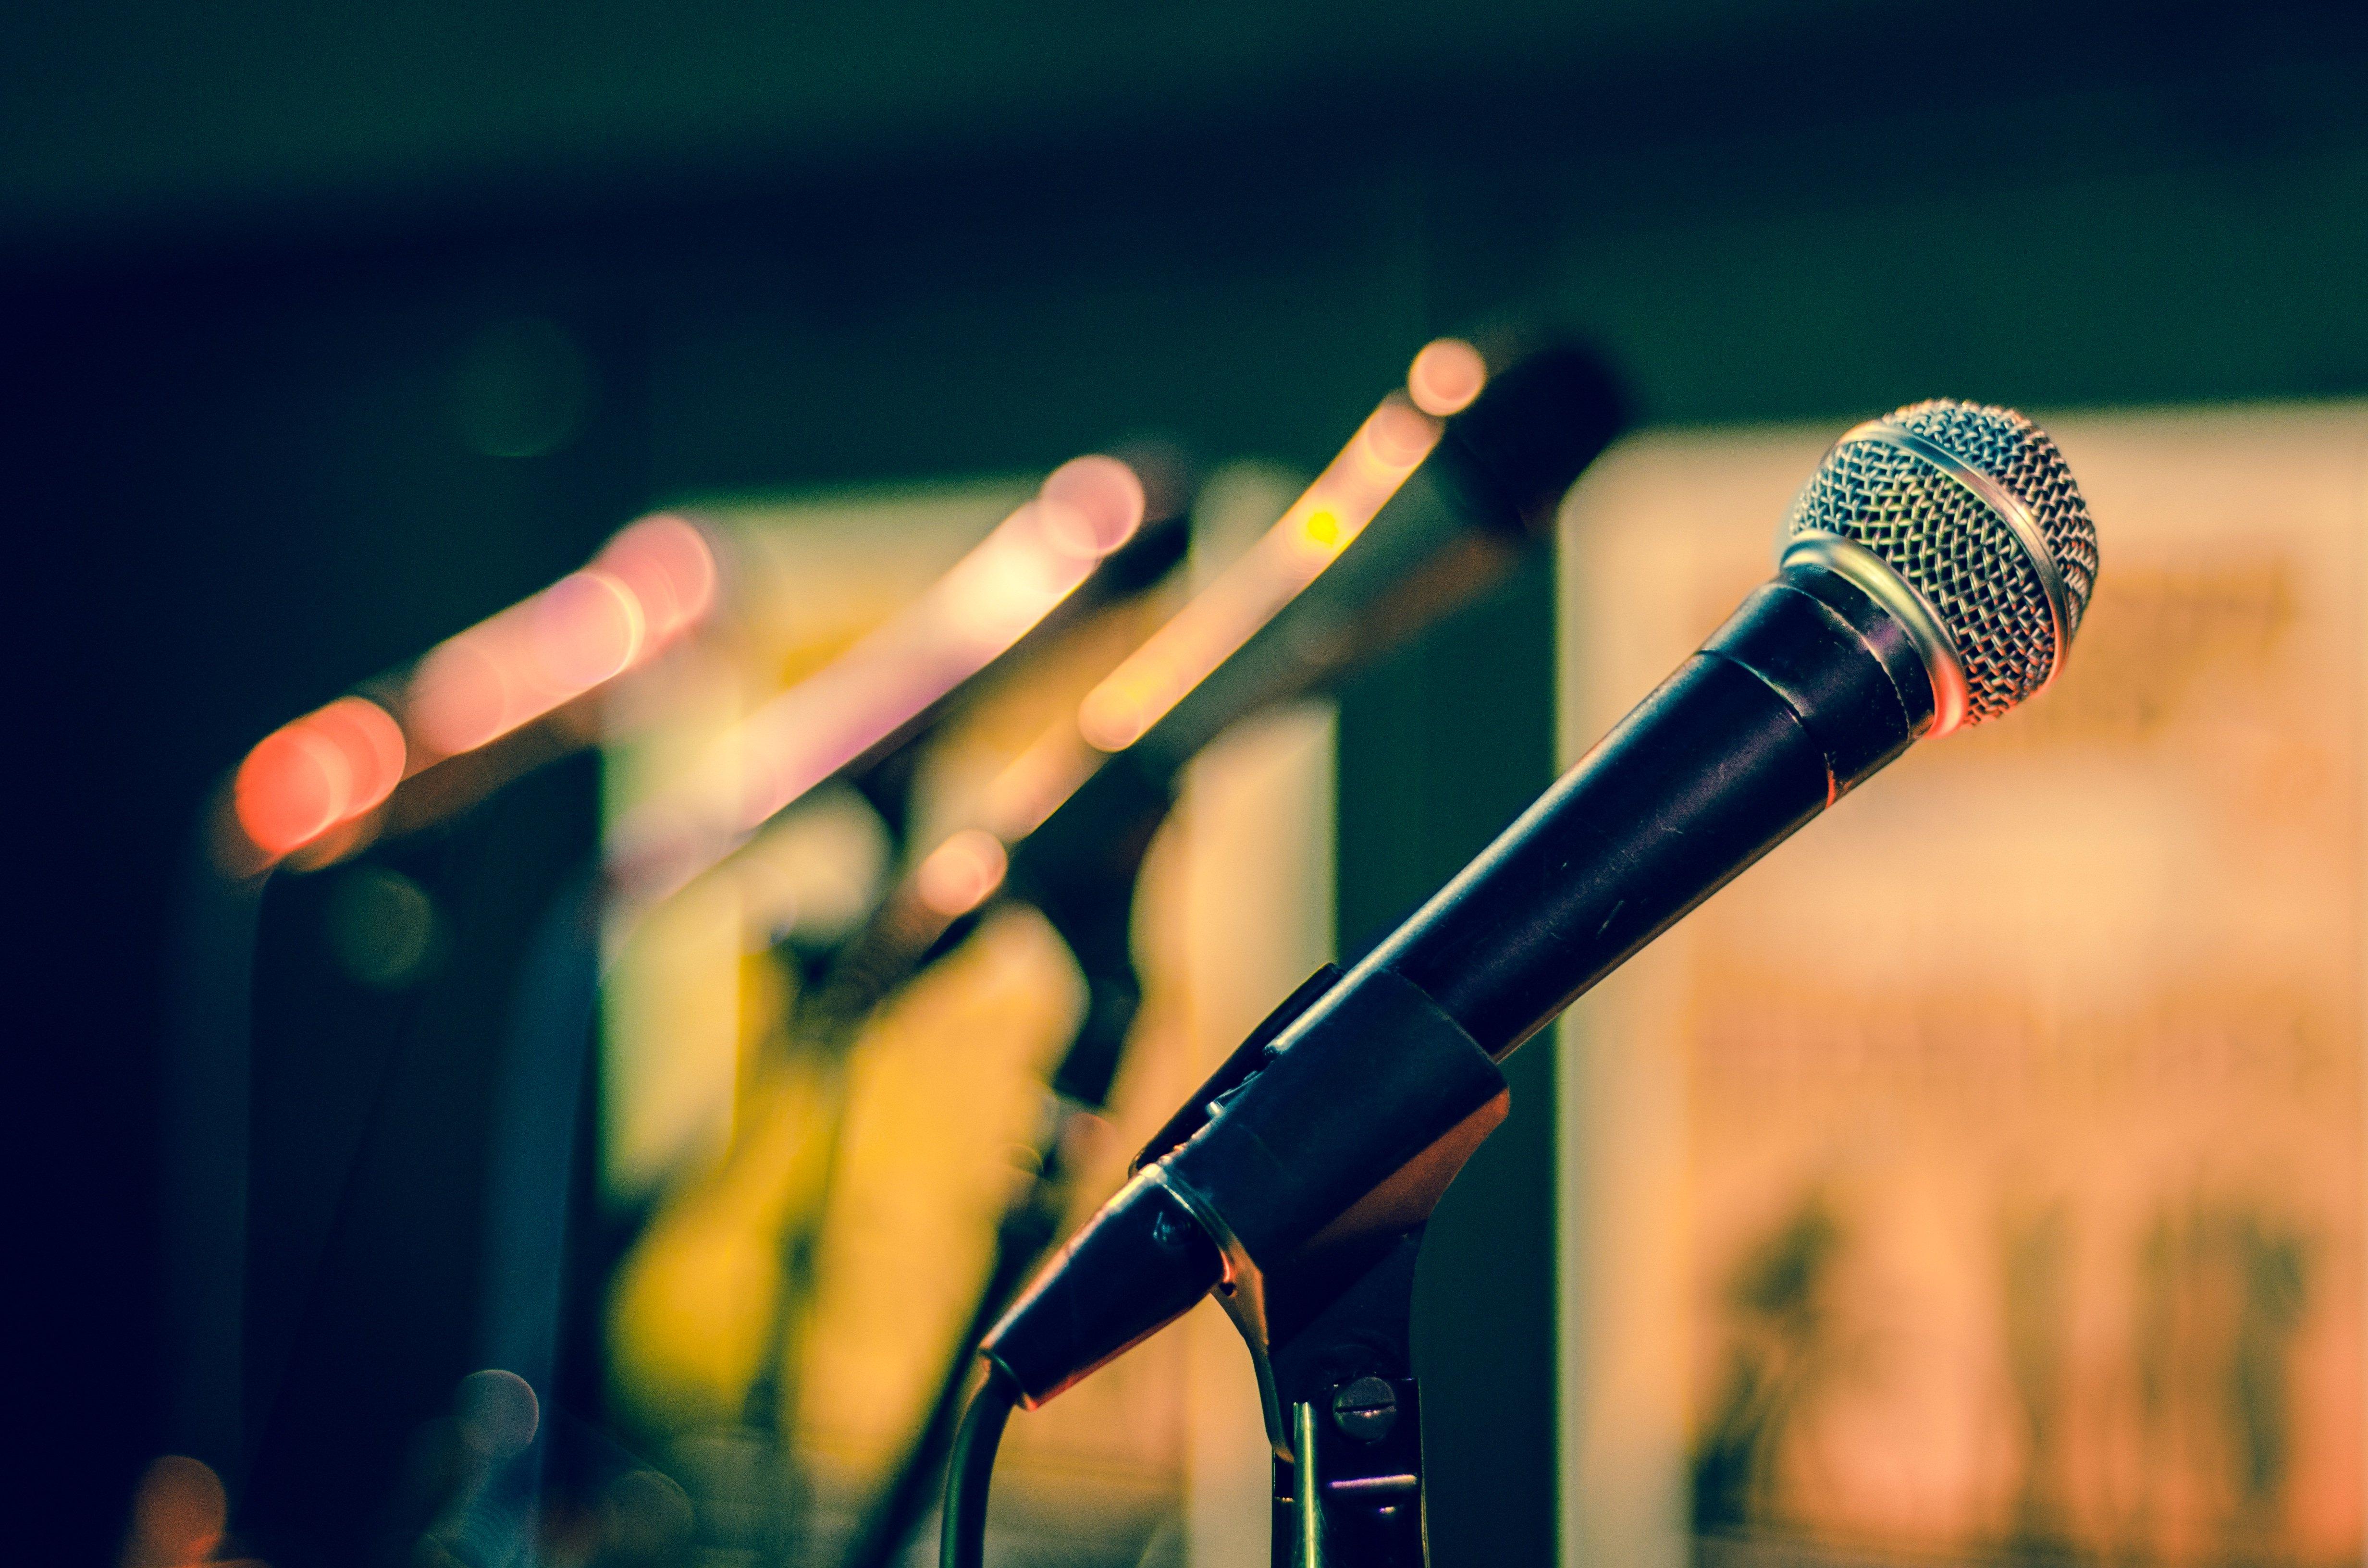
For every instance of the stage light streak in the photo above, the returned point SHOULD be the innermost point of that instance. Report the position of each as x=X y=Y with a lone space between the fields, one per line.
x=1012 y=580
x=990 y=598
x=650 y=583
x=653 y=580
x=1324 y=521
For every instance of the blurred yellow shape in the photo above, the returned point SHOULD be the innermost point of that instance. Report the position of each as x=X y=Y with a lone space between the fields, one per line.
x=945 y=1093
x=935 y=1093
x=695 y=1303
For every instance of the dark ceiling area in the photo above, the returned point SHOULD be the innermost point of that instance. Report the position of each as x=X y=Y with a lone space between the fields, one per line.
x=258 y=260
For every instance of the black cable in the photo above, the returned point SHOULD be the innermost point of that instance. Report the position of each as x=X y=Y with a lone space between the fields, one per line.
x=961 y=1539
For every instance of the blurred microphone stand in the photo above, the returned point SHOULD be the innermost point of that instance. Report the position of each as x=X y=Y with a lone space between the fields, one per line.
x=812 y=1042
x=311 y=793
x=1092 y=914
x=203 y=1132
x=840 y=988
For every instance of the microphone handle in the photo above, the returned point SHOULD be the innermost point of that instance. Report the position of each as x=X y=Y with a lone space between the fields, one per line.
x=1361 y=1110
x=1809 y=688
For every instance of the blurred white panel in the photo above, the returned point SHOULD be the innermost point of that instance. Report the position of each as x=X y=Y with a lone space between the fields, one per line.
x=1982 y=1172
x=805 y=579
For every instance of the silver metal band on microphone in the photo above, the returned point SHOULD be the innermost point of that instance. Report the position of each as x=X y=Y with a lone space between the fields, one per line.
x=1847 y=559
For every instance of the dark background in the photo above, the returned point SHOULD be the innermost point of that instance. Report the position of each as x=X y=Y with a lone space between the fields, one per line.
x=280 y=285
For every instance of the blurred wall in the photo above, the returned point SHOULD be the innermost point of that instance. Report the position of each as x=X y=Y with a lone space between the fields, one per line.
x=327 y=337
x=1978 y=1176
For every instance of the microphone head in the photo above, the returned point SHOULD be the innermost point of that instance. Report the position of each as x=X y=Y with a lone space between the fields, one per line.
x=1973 y=511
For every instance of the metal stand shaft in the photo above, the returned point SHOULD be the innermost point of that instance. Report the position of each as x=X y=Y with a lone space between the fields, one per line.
x=1345 y=1412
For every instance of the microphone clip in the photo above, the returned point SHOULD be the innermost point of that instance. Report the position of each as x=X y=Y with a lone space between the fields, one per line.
x=1334 y=1128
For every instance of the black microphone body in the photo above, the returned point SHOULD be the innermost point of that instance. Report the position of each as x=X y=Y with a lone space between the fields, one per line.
x=1809 y=688
x=1933 y=573
x=1806 y=690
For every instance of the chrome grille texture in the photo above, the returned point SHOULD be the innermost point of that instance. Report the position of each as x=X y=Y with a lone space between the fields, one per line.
x=1967 y=561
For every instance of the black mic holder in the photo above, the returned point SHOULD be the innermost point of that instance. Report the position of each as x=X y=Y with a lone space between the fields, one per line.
x=1331 y=1334
x=1276 y=1188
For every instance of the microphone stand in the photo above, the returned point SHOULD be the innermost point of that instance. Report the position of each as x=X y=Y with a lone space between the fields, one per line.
x=1329 y=1326
x=1348 y=1481
x=1338 y=1386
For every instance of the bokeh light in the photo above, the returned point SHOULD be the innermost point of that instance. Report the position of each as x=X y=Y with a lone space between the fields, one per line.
x=668 y=567
x=1090 y=506
x=1012 y=580
x=497 y=1413
x=177 y=1515
x=959 y=874
x=990 y=598
x=524 y=662
x=326 y=768
x=1325 y=520
x=381 y=927
x=1446 y=376
x=650 y=583
x=653 y=581
x=587 y=626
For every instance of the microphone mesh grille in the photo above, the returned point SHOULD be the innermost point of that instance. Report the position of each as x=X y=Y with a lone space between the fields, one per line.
x=1965 y=561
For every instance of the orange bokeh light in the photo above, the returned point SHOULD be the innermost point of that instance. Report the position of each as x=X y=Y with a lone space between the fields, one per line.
x=307 y=777
x=666 y=565
x=1446 y=376
x=650 y=583
x=177 y=1515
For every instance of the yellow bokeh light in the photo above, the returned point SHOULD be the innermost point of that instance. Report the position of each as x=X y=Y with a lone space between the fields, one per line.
x=1325 y=520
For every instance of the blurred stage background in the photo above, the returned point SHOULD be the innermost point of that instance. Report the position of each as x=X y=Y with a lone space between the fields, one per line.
x=329 y=337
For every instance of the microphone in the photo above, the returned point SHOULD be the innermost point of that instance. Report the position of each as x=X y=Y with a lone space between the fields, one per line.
x=1932 y=574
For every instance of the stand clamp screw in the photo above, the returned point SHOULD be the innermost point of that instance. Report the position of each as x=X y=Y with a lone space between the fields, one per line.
x=1365 y=1410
